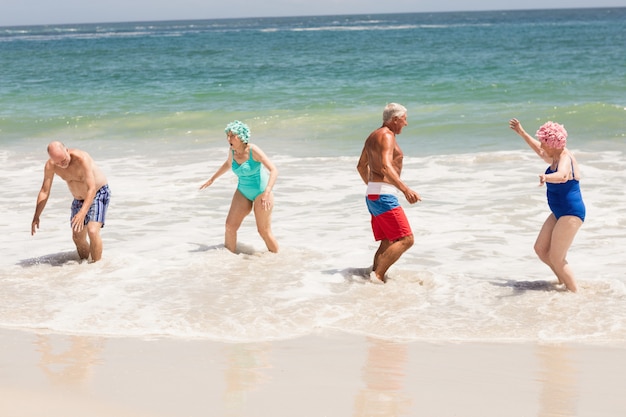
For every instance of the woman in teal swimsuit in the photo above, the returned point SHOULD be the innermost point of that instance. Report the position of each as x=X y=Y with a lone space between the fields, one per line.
x=564 y=198
x=257 y=176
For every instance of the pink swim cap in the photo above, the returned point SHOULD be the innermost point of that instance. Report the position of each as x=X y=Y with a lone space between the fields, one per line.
x=552 y=134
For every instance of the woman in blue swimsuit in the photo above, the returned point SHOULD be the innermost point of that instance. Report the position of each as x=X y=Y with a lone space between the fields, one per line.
x=564 y=198
x=257 y=176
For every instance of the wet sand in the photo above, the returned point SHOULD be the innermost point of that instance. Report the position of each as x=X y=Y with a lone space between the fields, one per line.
x=320 y=375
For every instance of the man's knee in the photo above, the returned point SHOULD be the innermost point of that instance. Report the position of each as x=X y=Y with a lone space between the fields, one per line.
x=79 y=236
x=408 y=241
x=93 y=229
x=403 y=244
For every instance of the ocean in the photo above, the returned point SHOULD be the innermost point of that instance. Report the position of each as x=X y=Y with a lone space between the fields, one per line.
x=149 y=102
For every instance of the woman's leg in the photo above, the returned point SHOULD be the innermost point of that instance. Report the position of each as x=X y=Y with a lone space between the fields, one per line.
x=264 y=223
x=544 y=240
x=240 y=207
x=562 y=237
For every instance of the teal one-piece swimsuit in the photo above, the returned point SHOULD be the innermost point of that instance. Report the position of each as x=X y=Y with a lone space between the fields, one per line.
x=252 y=177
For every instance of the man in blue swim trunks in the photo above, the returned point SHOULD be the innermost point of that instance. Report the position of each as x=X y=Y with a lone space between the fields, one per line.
x=380 y=166
x=91 y=194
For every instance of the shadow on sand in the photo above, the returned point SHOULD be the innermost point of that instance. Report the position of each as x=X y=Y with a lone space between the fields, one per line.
x=520 y=287
x=201 y=247
x=361 y=275
x=242 y=249
x=54 y=259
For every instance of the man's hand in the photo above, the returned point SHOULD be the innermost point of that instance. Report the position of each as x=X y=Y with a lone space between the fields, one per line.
x=412 y=197
x=78 y=222
x=34 y=226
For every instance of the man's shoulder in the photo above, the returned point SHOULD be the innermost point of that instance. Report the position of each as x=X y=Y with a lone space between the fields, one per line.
x=81 y=156
x=381 y=133
x=382 y=136
x=49 y=165
x=78 y=152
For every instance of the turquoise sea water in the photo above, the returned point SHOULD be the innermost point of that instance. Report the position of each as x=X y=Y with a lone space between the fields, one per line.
x=149 y=102
x=308 y=79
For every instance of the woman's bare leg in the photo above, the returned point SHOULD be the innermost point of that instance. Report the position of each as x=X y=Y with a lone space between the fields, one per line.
x=264 y=223
x=240 y=207
x=562 y=237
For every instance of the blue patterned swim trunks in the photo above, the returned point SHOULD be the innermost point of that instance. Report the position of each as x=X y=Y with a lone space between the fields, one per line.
x=98 y=210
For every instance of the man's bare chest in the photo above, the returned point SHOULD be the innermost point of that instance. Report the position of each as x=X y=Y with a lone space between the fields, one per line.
x=70 y=175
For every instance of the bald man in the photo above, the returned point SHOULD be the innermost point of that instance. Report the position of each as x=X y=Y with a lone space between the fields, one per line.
x=91 y=194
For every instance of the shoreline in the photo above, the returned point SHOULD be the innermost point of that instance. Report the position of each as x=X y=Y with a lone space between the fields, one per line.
x=317 y=375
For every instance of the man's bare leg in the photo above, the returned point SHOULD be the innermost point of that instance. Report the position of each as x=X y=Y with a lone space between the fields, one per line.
x=80 y=240
x=384 y=244
x=387 y=254
x=95 y=241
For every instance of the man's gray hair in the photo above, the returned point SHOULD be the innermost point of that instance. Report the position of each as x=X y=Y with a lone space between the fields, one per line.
x=393 y=110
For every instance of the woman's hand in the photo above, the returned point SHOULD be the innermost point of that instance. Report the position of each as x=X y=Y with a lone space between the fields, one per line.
x=266 y=200
x=542 y=179
x=516 y=126
x=206 y=184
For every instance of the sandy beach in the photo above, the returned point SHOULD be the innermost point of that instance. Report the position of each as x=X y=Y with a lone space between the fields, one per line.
x=322 y=375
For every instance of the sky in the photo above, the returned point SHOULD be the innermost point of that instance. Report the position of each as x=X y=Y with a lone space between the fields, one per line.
x=40 y=12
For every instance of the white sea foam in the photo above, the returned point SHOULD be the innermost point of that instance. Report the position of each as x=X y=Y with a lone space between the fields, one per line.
x=337 y=28
x=471 y=274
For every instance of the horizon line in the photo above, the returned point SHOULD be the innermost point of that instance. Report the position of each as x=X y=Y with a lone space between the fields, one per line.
x=306 y=15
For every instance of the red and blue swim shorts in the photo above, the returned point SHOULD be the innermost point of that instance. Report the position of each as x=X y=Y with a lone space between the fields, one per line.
x=388 y=219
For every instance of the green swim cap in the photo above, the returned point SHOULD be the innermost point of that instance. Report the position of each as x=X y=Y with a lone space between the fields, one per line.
x=240 y=129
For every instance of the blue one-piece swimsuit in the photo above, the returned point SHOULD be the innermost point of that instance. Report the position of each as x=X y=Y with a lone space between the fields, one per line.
x=565 y=198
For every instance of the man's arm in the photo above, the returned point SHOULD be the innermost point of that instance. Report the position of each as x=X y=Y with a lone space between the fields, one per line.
x=389 y=171
x=387 y=168
x=42 y=197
